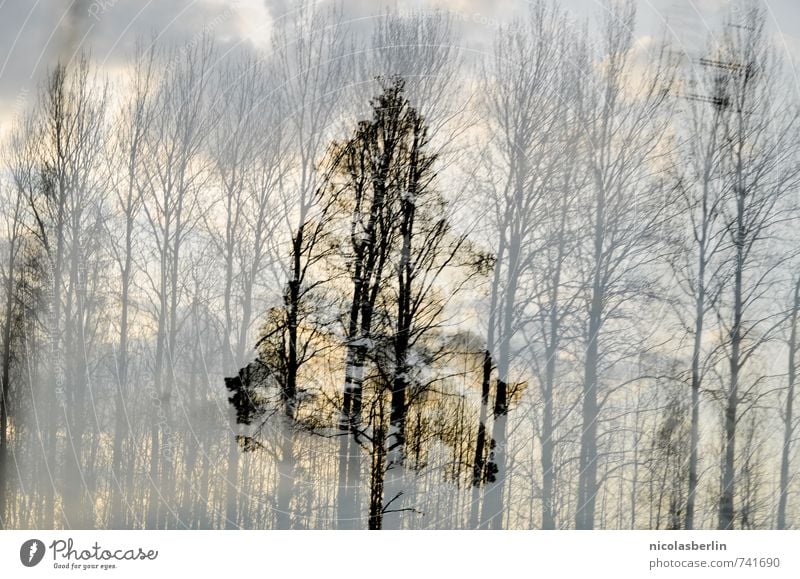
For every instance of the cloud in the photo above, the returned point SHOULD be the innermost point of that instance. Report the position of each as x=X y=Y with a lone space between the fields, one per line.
x=35 y=35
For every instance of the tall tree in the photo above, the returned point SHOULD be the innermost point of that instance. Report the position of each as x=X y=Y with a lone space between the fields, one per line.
x=625 y=132
x=311 y=60
x=60 y=177
x=526 y=117
x=125 y=175
x=13 y=204
x=371 y=165
x=760 y=171
x=699 y=267
x=788 y=411
x=173 y=173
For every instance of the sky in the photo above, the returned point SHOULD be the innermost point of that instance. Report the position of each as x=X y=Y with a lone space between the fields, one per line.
x=35 y=34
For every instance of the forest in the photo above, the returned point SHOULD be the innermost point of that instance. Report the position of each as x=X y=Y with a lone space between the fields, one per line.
x=360 y=277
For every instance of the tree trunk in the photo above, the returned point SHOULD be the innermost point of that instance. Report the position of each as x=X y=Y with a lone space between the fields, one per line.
x=694 y=436
x=587 y=477
x=121 y=422
x=377 y=470
x=788 y=417
x=6 y=385
x=493 y=511
x=551 y=353
x=548 y=445
x=727 y=495
x=478 y=463
x=286 y=475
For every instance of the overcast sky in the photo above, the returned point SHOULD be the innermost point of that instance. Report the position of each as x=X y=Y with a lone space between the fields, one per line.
x=35 y=33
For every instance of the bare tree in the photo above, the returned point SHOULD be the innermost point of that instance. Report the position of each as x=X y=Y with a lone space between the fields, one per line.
x=311 y=61
x=173 y=174
x=526 y=112
x=788 y=411
x=58 y=174
x=760 y=170
x=13 y=203
x=125 y=174
x=699 y=268
x=248 y=148
x=626 y=136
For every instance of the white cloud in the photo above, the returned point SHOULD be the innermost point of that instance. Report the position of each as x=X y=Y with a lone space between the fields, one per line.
x=251 y=19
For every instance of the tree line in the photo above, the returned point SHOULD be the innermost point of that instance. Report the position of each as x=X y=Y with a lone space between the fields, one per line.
x=367 y=279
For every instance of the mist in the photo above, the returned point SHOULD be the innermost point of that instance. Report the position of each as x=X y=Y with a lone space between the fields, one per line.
x=402 y=269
